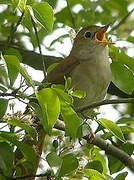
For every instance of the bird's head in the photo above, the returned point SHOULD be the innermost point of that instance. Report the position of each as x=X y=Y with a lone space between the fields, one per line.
x=90 y=39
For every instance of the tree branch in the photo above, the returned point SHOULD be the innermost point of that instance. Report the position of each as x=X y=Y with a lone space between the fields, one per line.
x=38 y=41
x=114 y=151
x=108 y=148
x=10 y=38
x=105 y=102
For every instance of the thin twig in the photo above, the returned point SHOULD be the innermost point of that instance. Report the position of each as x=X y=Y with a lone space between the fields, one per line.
x=105 y=102
x=38 y=42
x=73 y=21
x=122 y=21
x=25 y=177
x=14 y=95
x=10 y=38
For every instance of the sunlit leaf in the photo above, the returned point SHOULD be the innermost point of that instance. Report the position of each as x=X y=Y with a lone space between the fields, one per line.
x=50 y=106
x=43 y=12
x=113 y=128
x=93 y=174
x=71 y=119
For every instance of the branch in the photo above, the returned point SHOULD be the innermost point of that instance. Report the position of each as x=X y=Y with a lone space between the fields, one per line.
x=114 y=151
x=73 y=21
x=108 y=148
x=122 y=21
x=38 y=42
x=14 y=95
x=25 y=177
x=10 y=38
x=105 y=102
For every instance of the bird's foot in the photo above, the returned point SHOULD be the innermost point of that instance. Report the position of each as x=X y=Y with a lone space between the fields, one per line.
x=91 y=138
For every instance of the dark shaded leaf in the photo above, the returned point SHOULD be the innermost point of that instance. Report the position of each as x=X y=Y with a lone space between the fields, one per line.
x=3 y=106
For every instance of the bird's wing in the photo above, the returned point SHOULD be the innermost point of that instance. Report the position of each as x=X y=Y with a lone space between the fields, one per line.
x=65 y=68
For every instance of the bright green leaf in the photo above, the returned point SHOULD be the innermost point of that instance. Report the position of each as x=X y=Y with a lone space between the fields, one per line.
x=93 y=174
x=121 y=176
x=78 y=94
x=51 y=67
x=14 y=68
x=30 y=130
x=67 y=83
x=3 y=106
x=43 y=13
x=113 y=128
x=63 y=96
x=71 y=119
x=122 y=77
x=50 y=106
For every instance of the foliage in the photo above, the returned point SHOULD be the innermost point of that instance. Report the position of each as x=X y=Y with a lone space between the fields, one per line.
x=20 y=141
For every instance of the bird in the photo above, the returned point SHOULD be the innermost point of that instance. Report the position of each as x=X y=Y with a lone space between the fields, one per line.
x=87 y=64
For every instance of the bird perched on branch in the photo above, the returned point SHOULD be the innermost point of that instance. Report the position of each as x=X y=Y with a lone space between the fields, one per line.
x=87 y=65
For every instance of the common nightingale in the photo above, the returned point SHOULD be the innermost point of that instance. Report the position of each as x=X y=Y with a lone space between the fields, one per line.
x=87 y=64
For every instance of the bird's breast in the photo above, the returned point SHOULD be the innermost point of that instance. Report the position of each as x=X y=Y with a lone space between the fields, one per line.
x=93 y=77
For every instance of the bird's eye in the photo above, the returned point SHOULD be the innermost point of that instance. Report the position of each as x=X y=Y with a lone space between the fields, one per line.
x=87 y=34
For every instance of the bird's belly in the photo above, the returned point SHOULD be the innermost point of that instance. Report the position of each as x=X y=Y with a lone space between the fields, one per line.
x=93 y=80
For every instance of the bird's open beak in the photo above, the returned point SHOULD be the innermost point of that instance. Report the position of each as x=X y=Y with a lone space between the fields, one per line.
x=100 y=35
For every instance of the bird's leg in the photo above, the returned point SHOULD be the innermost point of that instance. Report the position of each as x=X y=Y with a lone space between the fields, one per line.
x=91 y=134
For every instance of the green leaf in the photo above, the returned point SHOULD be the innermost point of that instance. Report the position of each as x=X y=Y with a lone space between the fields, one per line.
x=123 y=58
x=51 y=67
x=67 y=83
x=30 y=130
x=13 y=71
x=97 y=165
x=43 y=13
x=6 y=2
x=6 y=157
x=60 y=17
x=3 y=106
x=50 y=105
x=114 y=165
x=3 y=76
x=63 y=96
x=78 y=94
x=69 y=163
x=71 y=119
x=121 y=176
x=27 y=151
x=14 y=68
x=93 y=174
x=59 y=39
x=125 y=121
x=113 y=128
x=54 y=160
x=14 y=52
x=122 y=77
